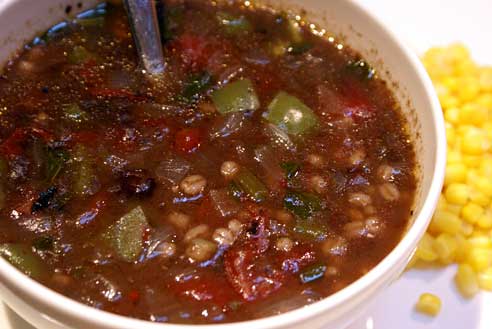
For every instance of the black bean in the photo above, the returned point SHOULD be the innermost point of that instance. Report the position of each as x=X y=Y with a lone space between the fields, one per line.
x=137 y=183
x=44 y=199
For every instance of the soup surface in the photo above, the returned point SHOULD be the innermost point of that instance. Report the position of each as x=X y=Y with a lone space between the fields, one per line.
x=269 y=167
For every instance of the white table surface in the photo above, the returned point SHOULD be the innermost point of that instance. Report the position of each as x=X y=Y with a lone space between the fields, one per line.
x=422 y=24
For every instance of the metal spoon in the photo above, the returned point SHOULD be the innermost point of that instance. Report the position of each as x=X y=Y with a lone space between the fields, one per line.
x=145 y=28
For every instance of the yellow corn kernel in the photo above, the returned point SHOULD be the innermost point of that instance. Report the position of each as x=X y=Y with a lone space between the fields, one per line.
x=451 y=135
x=471 y=161
x=455 y=173
x=484 y=185
x=452 y=115
x=445 y=246
x=451 y=83
x=467 y=229
x=457 y=193
x=462 y=247
x=447 y=222
x=425 y=250
x=449 y=101
x=471 y=212
x=466 y=280
x=441 y=203
x=479 y=258
x=472 y=114
x=485 y=76
x=454 y=157
x=485 y=279
x=428 y=304
x=473 y=142
x=485 y=220
x=469 y=89
x=486 y=167
x=457 y=51
x=480 y=241
x=479 y=198
x=454 y=208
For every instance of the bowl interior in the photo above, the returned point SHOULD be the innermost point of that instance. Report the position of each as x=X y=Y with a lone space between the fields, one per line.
x=349 y=25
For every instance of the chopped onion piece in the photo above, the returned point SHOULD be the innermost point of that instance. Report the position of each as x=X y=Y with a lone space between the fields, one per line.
x=172 y=170
x=223 y=203
x=268 y=160
x=279 y=137
x=227 y=125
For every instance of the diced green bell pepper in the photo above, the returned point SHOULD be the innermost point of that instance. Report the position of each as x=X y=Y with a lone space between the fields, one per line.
x=235 y=97
x=22 y=257
x=310 y=230
x=235 y=190
x=312 y=273
x=233 y=24
x=290 y=114
x=126 y=235
x=251 y=185
x=79 y=55
x=302 y=204
x=84 y=175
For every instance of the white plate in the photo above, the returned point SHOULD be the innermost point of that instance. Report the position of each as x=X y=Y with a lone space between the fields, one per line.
x=422 y=23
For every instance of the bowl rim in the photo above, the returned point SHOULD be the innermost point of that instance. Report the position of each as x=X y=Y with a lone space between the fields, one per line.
x=69 y=308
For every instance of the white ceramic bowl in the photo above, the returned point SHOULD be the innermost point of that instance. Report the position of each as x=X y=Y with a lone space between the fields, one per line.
x=47 y=309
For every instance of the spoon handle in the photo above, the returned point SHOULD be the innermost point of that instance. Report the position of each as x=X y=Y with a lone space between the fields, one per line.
x=145 y=28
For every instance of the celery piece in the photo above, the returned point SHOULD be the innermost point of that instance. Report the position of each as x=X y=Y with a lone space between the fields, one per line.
x=126 y=235
x=235 y=97
x=290 y=114
x=22 y=257
x=251 y=185
x=302 y=204
x=310 y=230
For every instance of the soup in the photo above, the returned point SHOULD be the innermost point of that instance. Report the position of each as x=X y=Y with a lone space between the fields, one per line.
x=266 y=169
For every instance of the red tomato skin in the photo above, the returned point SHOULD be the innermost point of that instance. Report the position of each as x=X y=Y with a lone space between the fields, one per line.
x=188 y=140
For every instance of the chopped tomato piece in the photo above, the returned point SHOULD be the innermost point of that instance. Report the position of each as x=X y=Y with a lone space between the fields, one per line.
x=255 y=270
x=205 y=287
x=134 y=296
x=356 y=102
x=188 y=140
x=247 y=269
x=194 y=50
x=13 y=145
